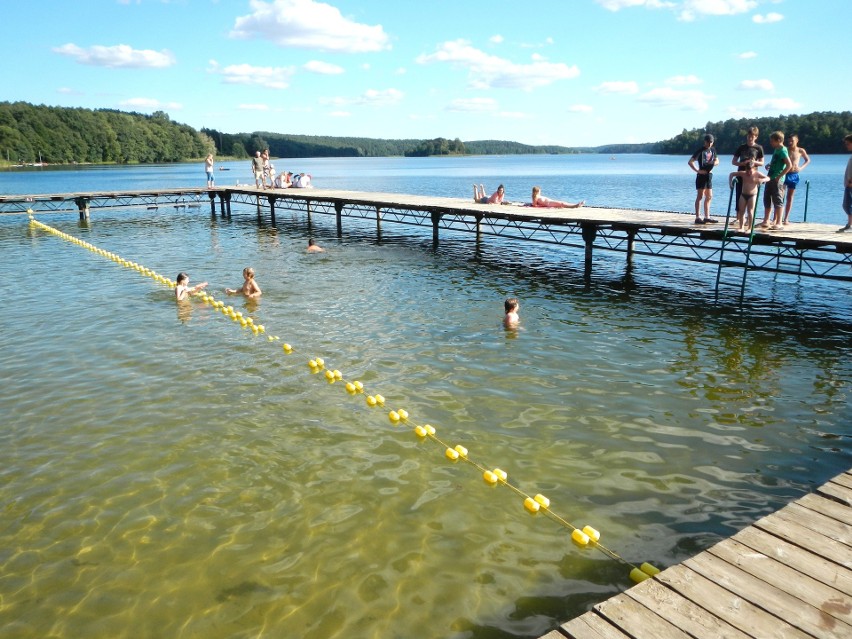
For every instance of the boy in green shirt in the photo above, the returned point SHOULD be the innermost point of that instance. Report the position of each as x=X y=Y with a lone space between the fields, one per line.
x=773 y=193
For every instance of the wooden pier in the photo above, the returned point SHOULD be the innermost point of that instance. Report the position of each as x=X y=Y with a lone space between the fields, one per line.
x=787 y=575
x=800 y=249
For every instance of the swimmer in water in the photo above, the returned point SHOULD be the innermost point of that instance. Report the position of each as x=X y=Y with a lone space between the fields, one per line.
x=250 y=287
x=182 y=288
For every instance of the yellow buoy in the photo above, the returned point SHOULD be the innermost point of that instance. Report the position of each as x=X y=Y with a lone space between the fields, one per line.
x=462 y=451
x=489 y=477
x=329 y=376
x=421 y=432
x=358 y=386
x=320 y=361
x=452 y=454
x=371 y=401
x=312 y=363
x=350 y=387
x=637 y=576
x=531 y=505
x=337 y=374
x=403 y=414
x=393 y=416
x=380 y=400
x=593 y=534
x=542 y=500
x=579 y=537
x=286 y=347
x=648 y=569
x=501 y=474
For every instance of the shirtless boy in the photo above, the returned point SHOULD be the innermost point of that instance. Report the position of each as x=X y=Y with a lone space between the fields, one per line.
x=748 y=179
x=250 y=287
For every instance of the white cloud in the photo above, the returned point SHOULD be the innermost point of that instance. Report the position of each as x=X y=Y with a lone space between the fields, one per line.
x=496 y=39
x=769 y=18
x=323 y=68
x=487 y=71
x=308 y=24
x=269 y=77
x=473 y=104
x=254 y=107
x=776 y=104
x=339 y=114
x=617 y=5
x=370 y=98
x=120 y=56
x=691 y=100
x=580 y=108
x=683 y=80
x=69 y=91
x=756 y=85
x=150 y=104
x=512 y=115
x=690 y=9
x=626 y=88
x=747 y=55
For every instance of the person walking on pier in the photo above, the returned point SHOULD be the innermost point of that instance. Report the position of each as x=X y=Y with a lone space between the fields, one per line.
x=208 y=167
x=257 y=168
x=540 y=201
x=480 y=198
x=847 y=188
x=707 y=160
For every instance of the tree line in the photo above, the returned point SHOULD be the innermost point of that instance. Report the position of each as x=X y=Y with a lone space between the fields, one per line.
x=819 y=132
x=61 y=135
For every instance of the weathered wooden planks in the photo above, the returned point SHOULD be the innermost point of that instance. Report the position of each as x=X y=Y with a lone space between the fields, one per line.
x=789 y=575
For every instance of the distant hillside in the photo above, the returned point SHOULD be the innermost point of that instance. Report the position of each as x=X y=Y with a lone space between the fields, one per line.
x=819 y=132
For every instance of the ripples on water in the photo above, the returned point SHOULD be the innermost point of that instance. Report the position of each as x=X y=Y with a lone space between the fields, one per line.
x=165 y=473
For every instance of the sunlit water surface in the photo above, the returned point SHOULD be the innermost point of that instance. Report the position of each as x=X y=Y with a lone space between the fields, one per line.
x=166 y=473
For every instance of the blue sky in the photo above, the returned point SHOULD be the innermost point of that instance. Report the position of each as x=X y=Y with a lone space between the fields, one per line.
x=569 y=72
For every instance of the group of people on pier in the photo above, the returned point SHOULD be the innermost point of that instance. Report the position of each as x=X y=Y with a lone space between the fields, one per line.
x=265 y=176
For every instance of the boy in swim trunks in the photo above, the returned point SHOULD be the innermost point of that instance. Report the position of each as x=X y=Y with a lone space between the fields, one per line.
x=707 y=159
x=791 y=180
x=749 y=180
x=773 y=194
x=511 y=307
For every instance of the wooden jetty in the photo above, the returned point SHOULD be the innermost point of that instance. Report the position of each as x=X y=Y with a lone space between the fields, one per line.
x=787 y=575
x=800 y=249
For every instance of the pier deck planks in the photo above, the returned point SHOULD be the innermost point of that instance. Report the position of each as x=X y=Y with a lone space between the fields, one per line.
x=788 y=575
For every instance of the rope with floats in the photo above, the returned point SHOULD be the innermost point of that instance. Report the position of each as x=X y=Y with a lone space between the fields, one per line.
x=585 y=538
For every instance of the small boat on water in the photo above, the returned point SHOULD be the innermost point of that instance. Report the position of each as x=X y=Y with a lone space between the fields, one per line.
x=224 y=168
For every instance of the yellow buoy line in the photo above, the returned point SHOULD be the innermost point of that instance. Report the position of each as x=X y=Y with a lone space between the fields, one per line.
x=585 y=537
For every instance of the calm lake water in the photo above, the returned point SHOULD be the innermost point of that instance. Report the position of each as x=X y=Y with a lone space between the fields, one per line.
x=166 y=473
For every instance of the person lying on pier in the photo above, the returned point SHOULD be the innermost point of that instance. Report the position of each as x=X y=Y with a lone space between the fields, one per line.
x=749 y=179
x=480 y=198
x=314 y=248
x=182 y=288
x=282 y=180
x=541 y=201
x=250 y=287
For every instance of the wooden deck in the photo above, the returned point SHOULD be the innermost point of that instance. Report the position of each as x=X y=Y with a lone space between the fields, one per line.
x=787 y=575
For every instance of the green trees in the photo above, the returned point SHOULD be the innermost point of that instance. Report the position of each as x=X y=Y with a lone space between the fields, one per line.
x=820 y=132
x=60 y=135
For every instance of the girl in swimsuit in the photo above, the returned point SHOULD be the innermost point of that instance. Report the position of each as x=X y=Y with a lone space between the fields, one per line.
x=750 y=180
x=480 y=198
x=541 y=201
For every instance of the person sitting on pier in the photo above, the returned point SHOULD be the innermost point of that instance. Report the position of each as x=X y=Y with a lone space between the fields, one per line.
x=314 y=248
x=480 y=198
x=282 y=180
x=250 y=287
x=749 y=179
x=301 y=180
x=182 y=288
x=544 y=202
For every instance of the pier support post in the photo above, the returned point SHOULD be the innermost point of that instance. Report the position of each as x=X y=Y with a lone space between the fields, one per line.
x=631 y=240
x=338 y=210
x=436 y=218
x=590 y=232
x=212 y=196
x=82 y=206
x=308 y=210
x=272 y=199
x=379 y=220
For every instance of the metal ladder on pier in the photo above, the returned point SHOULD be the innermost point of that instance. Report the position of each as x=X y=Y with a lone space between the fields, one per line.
x=738 y=247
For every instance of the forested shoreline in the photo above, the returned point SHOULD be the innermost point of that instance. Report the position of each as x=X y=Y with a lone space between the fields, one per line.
x=60 y=135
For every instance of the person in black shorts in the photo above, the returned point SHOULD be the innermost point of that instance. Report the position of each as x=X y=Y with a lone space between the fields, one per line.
x=706 y=159
x=747 y=155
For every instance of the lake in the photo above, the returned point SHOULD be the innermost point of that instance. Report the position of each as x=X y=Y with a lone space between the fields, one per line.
x=167 y=473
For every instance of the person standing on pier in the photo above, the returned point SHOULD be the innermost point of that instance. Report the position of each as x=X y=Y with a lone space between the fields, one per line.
x=748 y=154
x=208 y=167
x=773 y=194
x=847 y=188
x=791 y=180
x=707 y=160
x=257 y=169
